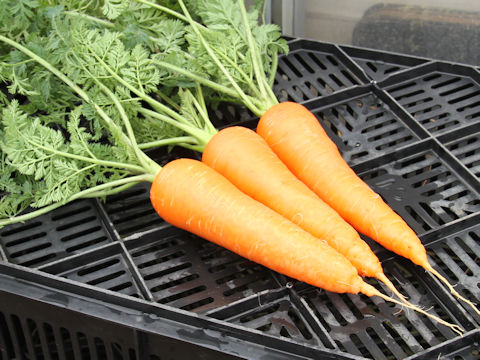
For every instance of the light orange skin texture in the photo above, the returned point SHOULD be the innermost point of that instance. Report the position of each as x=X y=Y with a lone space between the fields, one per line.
x=192 y=196
x=299 y=140
x=246 y=160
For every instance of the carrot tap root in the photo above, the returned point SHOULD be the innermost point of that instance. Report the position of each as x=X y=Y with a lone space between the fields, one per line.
x=371 y=291
x=383 y=278
x=450 y=287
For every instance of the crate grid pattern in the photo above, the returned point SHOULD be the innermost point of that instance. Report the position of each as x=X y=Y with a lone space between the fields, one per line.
x=400 y=136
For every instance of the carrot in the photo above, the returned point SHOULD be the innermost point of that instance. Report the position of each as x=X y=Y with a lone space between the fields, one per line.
x=299 y=140
x=192 y=196
x=237 y=151
x=246 y=160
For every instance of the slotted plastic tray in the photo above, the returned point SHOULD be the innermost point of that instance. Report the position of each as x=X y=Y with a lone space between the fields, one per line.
x=111 y=280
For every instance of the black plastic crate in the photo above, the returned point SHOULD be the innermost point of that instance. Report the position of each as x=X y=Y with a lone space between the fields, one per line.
x=111 y=280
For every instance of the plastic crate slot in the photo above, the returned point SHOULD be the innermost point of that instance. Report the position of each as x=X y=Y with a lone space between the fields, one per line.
x=76 y=223
x=50 y=340
x=66 y=343
x=400 y=90
x=142 y=202
x=127 y=194
x=83 y=346
x=183 y=294
x=98 y=267
x=433 y=117
x=18 y=333
x=380 y=344
x=470 y=106
x=78 y=234
x=172 y=283
x=162 y=259
x=391 y=69
x=473 y=251
x=371 y=66
x=107 y=278
x=360 y=346
x=86 y=244
x=341 y=119
x=412 y=94
x=443 y=126
x=30 y=250
x=398 y=141
x=432 y=214
x=24 y=227
x=399 y=341
x=312 y=89
x=348 y=76
x=272 y=318
x=456 y=89
x=304 y=63
x=246 y=286
x=317 y=60
x=384 y=135
x=100 y=349
x=159 y=246
x=337 y=81
x=198 y=304
x=299 y=323
x=293 y=69
x=6 y=344
x=25 y=239
x=378 y=125
x=234 y=263
x=169 y=270
x=464 y=97
x=457 y=259
x=70 y=213
x=328 y=301
x=443 y=83
x=372 y=174
x=332 y=60
x=432 y=176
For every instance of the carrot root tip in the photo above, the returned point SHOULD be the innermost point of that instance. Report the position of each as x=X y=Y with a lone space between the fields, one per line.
x=370 y=290
x=451 y=288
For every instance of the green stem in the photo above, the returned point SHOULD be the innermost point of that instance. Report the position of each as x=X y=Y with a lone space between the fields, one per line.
x=256 y=59
x=274 y=68
x=203 y=108
x=197 y=78
x=171 y=141
x=94 y=19
x=246 y=78
x=168 y=100
x=144 y=160
x=202 y=136
x=113 y=191
x=18 y=63
x=210 y=52
x=164 y=9
x=82 y=194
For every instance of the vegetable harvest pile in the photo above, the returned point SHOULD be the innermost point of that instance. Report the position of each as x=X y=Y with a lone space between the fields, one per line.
x=89 y=85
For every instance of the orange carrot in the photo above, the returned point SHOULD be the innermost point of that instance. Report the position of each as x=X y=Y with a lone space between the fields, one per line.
x=237 y=151
x=194 y=197
x=299 y=140
x=246 y=160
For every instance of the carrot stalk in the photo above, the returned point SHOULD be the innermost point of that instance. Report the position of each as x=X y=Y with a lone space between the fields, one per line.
x=299 y=140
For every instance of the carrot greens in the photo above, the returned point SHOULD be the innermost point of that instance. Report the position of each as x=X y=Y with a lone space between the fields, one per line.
x=82 y=100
